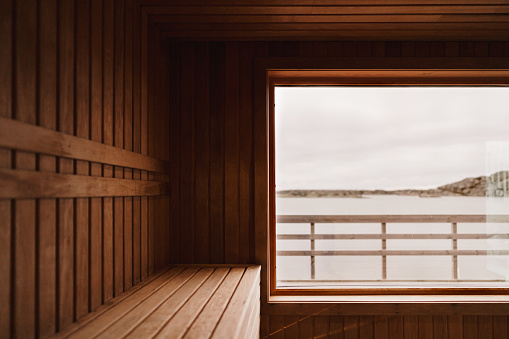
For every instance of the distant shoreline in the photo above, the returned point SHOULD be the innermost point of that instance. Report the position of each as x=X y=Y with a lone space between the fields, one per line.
x=495 y=185
x=362 y=193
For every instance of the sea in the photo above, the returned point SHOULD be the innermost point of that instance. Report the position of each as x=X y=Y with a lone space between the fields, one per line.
x=488 y=269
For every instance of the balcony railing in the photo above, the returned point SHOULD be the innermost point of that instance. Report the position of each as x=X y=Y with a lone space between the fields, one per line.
x=383 y=236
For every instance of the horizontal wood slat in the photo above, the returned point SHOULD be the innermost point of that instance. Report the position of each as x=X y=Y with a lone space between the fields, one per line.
x=384 y=306
x=395 y=252
x=330 y=26
x=20 y=184
x=328 y=10
x=21 y=136
x=390 y=236
x=305 y=19
x=321 y=2
x=346 y=35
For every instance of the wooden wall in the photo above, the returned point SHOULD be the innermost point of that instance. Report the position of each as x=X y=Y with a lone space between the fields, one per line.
x=386 y=327
x=212 y=172
x=83 y=159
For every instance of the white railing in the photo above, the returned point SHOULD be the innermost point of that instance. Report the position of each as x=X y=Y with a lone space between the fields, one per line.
x=383 y=236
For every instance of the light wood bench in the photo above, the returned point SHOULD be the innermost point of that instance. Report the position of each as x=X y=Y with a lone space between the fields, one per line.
x=212 y=301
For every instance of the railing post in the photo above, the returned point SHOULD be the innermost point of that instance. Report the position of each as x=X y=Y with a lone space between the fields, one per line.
x=384 y=247
x=312 y=233
x=454 y=232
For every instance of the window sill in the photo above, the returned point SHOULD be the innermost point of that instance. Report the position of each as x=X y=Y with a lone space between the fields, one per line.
x=367 y=299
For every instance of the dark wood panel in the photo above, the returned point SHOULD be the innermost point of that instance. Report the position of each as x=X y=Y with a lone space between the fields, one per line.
x=24 y=235
x=320 y=2
x=47 y=208
x=82 y=167
x=65 y=291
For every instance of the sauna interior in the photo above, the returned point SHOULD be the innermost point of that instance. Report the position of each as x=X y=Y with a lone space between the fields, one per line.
x=132 y=138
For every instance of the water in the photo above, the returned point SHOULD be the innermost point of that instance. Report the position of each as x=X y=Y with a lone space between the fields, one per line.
x=369 y=268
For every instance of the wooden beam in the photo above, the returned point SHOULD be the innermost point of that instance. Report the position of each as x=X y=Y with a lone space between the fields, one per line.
x=26 y=137
x=21 y=184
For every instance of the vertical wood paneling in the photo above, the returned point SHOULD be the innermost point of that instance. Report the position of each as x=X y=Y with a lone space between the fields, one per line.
x=47 y=231
x=6 y=76
x=291 y=324
x=217 y=83
x=351 y=327
x=425 y=326
x=276 y=326
x=455 y=326
x=82 y=167
x=128 y=201
x=486 y=326
x=366 y=326
x=396 y=327
x=440 y=326
x=336 y=327
x=231 y=128
x=25 y=210
x=306 y=327
x=187 y=163
x=246 y=153
x=174 y=111
x=107 y=138
x=68 y=66
x=96 y=135
x=470 y=327
x=118 y=202
x=202 y=159
x=66 y=166
x=500 y=326
x=321 y=326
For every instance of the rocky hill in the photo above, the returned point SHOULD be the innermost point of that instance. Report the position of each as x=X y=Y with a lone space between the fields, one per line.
x=496 y=185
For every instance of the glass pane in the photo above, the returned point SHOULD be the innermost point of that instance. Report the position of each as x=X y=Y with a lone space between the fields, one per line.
x=414 y=182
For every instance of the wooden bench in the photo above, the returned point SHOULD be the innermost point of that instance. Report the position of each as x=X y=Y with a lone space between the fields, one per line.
x=211 y=301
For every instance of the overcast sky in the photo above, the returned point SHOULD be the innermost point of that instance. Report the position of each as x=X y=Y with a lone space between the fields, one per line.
x=388 y=137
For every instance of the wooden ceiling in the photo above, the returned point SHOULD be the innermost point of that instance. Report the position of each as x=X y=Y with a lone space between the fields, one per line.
x=330 y=20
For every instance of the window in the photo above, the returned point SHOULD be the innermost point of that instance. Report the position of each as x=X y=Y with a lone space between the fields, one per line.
x=383 y=243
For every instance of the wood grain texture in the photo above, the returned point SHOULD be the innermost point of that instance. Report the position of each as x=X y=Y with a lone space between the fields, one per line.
x=25 y=137
x=24 y=234
x=62 y=107
x=47 y=247
x=6 y=98
x=21 y=184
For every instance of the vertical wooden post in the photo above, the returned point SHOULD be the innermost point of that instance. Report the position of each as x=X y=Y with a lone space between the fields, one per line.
x=312 y=249
x=384 y=247
x=454 y=232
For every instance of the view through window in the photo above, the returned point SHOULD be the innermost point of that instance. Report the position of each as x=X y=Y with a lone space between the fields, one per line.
x=391 y=186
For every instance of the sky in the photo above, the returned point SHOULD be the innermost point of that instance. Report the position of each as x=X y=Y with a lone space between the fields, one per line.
x=388 y=137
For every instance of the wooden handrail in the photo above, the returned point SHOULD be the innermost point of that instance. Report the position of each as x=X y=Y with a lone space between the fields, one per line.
x=454 y=252
x=428 y=218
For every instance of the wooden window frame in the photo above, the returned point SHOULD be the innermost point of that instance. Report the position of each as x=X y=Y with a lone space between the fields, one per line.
x=270 y=72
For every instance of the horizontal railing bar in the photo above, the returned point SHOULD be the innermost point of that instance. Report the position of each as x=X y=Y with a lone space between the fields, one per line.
x=389 y=236
x=437 y=218
x=388 y=280
x=392 y=252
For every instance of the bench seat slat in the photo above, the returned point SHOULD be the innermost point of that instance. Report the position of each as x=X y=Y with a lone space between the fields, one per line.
x=138 y=314
x=134 y=293
x=236 y=312
x=179 y=324
x=209 y=301
x=155 y=321
x=206 y=322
